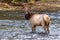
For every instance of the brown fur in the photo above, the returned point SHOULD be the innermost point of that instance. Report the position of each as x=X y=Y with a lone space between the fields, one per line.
x=44 y=22
x=37 y=19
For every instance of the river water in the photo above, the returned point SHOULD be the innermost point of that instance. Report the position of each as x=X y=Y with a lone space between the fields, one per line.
x=21 y=30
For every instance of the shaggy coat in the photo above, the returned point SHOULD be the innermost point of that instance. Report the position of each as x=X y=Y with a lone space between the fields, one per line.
x=38 y=20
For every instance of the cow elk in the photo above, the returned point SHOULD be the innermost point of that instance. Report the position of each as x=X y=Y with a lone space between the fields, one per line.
x=38 y=20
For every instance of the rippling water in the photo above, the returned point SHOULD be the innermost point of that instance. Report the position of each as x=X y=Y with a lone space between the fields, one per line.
x=20 y=29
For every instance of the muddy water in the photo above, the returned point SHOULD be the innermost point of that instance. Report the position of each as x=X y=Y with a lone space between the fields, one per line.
x=21 y=30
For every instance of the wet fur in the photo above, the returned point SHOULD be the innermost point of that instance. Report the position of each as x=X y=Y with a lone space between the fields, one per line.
x=44 y=22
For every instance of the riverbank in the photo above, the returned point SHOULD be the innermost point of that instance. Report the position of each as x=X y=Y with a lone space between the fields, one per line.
x=41 y=6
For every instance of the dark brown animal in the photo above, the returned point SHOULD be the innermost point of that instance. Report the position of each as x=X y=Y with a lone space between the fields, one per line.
x=38 y=20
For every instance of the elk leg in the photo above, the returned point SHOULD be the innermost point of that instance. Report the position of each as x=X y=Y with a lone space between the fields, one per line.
x=46 y=29
x=33 y=28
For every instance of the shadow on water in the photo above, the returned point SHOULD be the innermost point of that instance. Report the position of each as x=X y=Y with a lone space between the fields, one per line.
x=13 y=27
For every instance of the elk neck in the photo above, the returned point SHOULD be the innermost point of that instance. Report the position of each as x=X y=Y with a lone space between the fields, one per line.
x=28 y=15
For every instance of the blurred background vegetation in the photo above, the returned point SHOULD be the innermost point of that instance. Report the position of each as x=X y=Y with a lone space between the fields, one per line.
x=44 y=5
x=25 y=0
x=16 y=0
x=34 y=0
